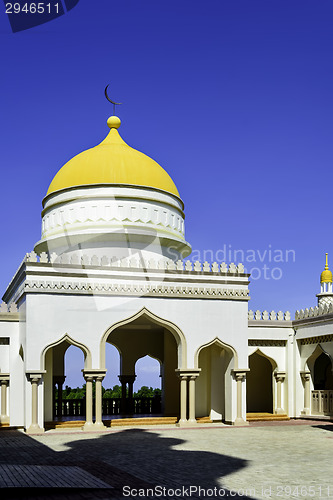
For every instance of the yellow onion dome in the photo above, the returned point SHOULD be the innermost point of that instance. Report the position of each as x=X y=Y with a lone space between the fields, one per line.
x=326 y=275
x=112 y=162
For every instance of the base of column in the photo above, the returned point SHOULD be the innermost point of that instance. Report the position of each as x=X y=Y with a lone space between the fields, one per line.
x=306 y=411
x=240 y=422
x=99 y=426
x=279 y=411
x=34 y=429
x=4 y=419
x=186 y=423
x=89 y=426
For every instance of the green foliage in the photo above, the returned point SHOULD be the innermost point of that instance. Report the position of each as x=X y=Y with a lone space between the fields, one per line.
x=147 y=392
x=115 y=392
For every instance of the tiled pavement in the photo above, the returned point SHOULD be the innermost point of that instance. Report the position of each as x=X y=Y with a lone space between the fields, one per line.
x=281 y=460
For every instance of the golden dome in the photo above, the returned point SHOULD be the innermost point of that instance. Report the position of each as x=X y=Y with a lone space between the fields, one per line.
x=112 y=162
x=326 y=275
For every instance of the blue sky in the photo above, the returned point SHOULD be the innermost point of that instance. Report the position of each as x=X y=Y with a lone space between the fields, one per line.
x=232 y=97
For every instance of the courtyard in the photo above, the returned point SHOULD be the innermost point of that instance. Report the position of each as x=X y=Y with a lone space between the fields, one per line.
x=290 y=459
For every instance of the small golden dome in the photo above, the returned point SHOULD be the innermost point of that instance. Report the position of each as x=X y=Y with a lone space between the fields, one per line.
x=326 y=275
x=112 y=162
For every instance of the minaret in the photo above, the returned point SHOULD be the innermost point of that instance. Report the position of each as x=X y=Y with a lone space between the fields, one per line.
x=325 y=297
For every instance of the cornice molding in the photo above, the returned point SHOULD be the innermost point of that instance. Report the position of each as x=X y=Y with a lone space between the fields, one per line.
x=135 y=289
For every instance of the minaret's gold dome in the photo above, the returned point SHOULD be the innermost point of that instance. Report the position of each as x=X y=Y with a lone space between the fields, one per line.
x=112 y=162
x=326 y=275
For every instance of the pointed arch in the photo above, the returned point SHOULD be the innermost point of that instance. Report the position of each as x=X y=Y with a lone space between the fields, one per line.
x=310 y=361
x=157 y=320
x=217 y=341
x=264 y=355
x=260 y=383
x=66 y=338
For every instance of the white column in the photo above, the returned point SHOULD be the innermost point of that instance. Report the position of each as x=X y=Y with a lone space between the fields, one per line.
x=34 y=378
x=98 y=401
x=239 y=376
x=279 y=377
x=88 y=426
x=187 y=376
x=183 y=400
x=4 y=381
x=306 y=381
x=191 y=412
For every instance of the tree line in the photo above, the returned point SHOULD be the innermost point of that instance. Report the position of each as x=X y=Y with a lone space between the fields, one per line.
x=114 y=392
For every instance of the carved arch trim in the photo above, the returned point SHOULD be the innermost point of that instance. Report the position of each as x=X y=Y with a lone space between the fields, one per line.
x=70 y=341
x=154 y=318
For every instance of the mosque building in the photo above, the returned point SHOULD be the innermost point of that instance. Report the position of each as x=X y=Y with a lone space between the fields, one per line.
x=110 y=268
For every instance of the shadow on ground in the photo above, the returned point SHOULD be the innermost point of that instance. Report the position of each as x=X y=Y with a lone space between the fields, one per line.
x=326 y=427
x=128 y=461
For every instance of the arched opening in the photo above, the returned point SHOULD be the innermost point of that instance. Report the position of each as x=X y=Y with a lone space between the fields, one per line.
x=259 y=384
x=135 y=339
x=213 y=386
x=322 y=373
x=148 y=373
x=147 y=387
x=113 y=363
x=320 y=366
x=64 y=363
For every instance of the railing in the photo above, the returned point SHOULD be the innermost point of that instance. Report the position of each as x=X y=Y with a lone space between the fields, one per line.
x=322 y=403
x=110 y=406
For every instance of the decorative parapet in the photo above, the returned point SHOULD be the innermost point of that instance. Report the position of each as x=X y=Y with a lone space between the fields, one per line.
x=8 y=308
x=312 y=312
x=268 y=316
x=134 y=262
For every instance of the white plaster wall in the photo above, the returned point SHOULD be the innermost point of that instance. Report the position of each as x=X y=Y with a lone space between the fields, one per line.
x=314 y=329
x=12 y=363
x=86 y=319
x=269 y=332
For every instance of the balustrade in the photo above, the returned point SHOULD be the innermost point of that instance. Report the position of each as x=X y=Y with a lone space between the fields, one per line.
x=110 y=406
x=322 y=402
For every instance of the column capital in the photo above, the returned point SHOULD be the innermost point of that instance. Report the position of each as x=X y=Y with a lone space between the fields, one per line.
x=4 y=378
x=127 y=379
x=240 y=374
x=305 y=374
x=35 y=375
x=190 y=373
x=280 y=376
x=91 y=374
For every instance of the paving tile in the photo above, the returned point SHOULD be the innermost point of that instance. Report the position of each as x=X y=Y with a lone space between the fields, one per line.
x=254 y=461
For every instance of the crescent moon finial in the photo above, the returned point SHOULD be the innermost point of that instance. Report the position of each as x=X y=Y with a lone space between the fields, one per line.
x=110 y=100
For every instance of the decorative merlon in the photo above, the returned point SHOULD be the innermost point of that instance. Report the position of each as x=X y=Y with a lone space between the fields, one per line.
x=312 y=312
x=133 y=262
x=268 y=316
x=8 y=308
